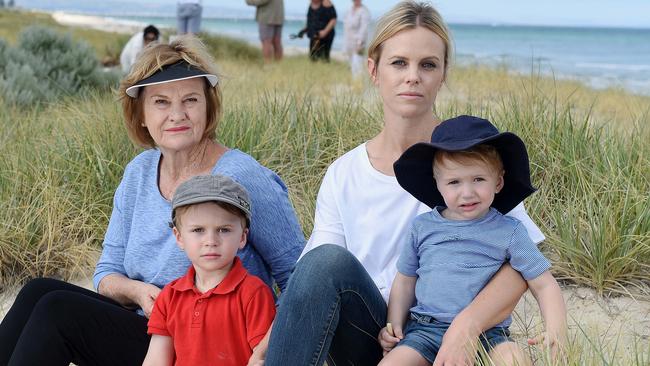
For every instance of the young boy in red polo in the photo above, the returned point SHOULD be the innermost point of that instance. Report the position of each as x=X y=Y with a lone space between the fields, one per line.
x=217 y=313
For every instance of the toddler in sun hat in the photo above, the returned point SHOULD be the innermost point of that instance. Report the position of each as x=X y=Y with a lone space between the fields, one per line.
x=470 y=175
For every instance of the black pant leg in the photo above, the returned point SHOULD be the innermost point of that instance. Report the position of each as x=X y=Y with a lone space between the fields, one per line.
x=72 y=324
x=325 y=49
x=14 y=321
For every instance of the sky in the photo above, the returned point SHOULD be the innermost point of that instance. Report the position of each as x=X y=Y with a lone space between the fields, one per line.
x=581 y=13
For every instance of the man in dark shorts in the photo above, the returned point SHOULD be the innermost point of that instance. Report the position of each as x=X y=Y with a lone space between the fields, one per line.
x=270 y=17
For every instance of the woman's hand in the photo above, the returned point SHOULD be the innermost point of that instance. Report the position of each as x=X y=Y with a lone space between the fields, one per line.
x=147 y=294
x=459 y=345
x=322 y=33
x=388 y=340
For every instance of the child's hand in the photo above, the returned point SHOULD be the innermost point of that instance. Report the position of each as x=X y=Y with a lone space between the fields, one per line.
x=389 y=336
x=549 y=340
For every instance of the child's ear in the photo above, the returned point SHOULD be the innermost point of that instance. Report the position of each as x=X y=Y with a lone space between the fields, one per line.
x=500 y=183
x=179 y=239
x=244 y=236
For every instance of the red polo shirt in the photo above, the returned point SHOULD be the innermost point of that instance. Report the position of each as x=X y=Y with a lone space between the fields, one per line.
x=218 y=327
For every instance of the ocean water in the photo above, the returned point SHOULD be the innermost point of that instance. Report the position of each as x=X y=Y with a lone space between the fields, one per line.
x=599 y=57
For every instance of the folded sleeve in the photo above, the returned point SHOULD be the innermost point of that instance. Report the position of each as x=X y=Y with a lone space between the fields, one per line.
x=259 y=314
x=524 y=255
x=158 y=320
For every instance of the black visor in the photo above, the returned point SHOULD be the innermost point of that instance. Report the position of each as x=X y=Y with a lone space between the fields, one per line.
x=175 y=72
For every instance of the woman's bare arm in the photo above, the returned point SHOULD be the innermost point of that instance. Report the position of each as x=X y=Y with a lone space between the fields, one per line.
x=490 y=307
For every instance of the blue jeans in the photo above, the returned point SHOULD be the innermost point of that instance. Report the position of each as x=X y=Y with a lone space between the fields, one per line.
x=330 y=310
x=188 y=18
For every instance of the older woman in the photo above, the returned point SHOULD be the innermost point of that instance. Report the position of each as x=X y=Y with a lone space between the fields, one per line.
x=362 y=216
x=172 y=105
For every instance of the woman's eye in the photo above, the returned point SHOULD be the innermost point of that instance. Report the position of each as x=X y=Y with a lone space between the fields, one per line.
x=429 y=65
x=192 y=100
x=197 y=230
x=160 y=101
x=224 y=230
x=398 y=63
x=452 y=182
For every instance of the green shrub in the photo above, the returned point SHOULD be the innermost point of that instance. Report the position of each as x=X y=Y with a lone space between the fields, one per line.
x=45 y=65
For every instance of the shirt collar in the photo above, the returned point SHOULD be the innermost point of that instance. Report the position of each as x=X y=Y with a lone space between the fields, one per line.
x=234 y=277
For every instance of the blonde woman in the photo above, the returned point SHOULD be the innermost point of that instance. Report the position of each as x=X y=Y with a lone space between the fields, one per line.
x=334 y=306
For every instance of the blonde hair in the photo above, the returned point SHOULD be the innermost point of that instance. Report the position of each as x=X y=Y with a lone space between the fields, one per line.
x=483 y=154
x=152 y=59
x=410 y=15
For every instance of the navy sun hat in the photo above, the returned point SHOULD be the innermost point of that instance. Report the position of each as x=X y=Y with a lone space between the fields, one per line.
x=414 y=169
x=174 y=72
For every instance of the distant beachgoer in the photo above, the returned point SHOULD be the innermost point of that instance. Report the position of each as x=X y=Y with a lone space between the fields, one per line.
x=188 y=16
x=321 y=19
x=355 y=26
x=211 y=215
x=270 y=18
x=172 y=106
x=134 y=46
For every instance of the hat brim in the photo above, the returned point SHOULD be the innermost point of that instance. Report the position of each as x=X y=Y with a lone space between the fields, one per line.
x=414 y=170
x=176 y=72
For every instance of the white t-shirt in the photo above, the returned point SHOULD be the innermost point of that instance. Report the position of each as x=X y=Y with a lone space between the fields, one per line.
x=370 y=214
x=131 y=51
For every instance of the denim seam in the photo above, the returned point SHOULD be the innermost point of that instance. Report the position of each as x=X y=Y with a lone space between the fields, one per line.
x=365 y=303
x=319 y=352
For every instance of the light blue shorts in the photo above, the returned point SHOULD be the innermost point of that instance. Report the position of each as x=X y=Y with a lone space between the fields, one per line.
x=424 y=334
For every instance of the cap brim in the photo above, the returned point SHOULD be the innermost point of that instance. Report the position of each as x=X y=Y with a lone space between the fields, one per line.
x=176 y=72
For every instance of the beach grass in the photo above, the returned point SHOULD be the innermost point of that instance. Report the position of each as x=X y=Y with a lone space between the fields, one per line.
x=588 y=149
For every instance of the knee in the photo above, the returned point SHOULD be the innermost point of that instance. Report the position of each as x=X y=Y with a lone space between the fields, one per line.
x=54 y=306
x=509 y=353
x=320 y=268
x=35 y=289
x=328 y=259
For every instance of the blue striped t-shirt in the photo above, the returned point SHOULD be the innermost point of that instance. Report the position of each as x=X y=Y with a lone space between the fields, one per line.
x=455 y=259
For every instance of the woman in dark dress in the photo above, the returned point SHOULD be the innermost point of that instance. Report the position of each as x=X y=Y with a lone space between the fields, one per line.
x=321 y=19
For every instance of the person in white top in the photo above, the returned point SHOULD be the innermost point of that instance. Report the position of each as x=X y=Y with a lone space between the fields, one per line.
x=134 y=46
x=355 y=32
x=188 y=16
x=334 y=306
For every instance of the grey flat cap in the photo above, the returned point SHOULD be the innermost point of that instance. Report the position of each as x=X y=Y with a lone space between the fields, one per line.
x=206 y=188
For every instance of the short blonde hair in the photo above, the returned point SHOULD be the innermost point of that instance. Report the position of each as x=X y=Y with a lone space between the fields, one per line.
x=152 y=59
x=483 y=154
x=410 y=15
